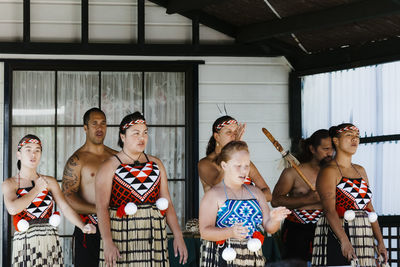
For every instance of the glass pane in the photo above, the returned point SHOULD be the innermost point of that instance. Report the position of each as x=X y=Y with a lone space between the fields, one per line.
x=76 y=93
x=111 y=139
x=33 y=97
x=121 y=94
x=168 y=144
x=165 y=98
x=69 y=139
x=46 y=135
x=177 y=192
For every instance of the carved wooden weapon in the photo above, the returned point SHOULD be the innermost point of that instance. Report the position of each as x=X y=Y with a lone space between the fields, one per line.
x=285 y=155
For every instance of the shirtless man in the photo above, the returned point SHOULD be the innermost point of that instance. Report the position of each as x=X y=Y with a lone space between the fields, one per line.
x=226 y=129
x=78 y=184
x=292 y=192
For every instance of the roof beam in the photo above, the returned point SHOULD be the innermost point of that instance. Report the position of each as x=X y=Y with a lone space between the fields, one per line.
x=177 y=6
x=135 y=49
x=331 y=17
x=352 y=57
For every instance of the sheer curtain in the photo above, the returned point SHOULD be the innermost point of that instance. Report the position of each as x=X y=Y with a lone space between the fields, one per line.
x=38 y=103
x=368 y=98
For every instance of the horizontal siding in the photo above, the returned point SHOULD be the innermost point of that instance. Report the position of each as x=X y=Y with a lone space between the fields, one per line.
x=255 y=91
x=109 y=21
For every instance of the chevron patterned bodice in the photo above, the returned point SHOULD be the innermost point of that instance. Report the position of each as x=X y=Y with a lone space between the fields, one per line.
x=40 y=208
x=353 y=193
x=138 y=183
x=236 y=211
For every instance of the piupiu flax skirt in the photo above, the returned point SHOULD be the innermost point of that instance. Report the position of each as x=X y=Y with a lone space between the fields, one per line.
x=327 y=249
x=140 y=238
x=211 y=255
x=37 y=246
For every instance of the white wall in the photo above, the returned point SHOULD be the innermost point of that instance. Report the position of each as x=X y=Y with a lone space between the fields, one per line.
x=109 y=21
x=255 y=91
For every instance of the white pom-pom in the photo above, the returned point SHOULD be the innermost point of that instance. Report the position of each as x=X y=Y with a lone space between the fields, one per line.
x=254 y=244
x=162 y=203
x=372 y=217
x=229 y=254
x=22 y=225
x=130 y=208
x=349 y=215
x=55 y=220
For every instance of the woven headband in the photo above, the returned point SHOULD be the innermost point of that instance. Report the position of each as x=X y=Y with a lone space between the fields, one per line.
x=348 y=128
x=126 y=126
x=225 y=123
x=29 y=141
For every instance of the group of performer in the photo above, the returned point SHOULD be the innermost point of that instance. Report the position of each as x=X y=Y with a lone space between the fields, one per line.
x=124 y=202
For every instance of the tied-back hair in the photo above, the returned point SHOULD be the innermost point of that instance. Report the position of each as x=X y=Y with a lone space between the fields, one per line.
x=230 y=148
x=314 y=140
x=127 y=119
x=26 y=137
x=212 y=142
x=333 y=131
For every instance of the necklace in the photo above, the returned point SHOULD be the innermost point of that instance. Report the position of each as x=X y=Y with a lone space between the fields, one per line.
x=135 y=162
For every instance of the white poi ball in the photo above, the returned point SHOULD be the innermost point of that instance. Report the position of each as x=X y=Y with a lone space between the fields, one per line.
x=22 y=225
x=349 y=215
x=55 y=220
x=130 y=208
x=254 y=244
x=229 y=254
x=162 y=203
x=372 y=217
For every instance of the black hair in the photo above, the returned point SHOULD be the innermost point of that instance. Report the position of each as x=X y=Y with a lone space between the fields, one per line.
x=333 y=131
x=314 y=140
x=127 y=119
x=212 y=142
x=86 y=116
x=26 y=137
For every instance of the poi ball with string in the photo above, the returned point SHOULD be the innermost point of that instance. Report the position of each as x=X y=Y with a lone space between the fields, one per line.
x=22 y=225
x=229 y=254
x=55 y=220
x=162 y=203
x=349 y=215
x=130 y=208
x=372 y=216
x=254 y=244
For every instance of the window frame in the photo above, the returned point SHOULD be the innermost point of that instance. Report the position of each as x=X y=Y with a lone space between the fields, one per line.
x=191 y=126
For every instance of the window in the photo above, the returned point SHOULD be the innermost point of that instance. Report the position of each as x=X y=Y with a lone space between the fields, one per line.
x=367 y=97
x=50 y=103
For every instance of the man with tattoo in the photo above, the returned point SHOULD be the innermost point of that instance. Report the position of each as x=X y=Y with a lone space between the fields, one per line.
x=78 y=184
x=292 y=192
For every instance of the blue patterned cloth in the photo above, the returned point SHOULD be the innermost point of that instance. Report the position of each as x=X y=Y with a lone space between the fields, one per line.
x=237 y=211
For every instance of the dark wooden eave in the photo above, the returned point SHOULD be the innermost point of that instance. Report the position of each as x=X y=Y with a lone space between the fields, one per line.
x=331 y=17
x=179 y=6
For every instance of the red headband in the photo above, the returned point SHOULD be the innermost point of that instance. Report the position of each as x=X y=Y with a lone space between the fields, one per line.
x=348 y=128
x=31 y=141
x=225 y=123
x=126 y=126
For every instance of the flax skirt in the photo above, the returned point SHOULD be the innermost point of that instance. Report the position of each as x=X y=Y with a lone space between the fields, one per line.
x=211 y=255
x=140 y=238
x=38 y=246
x=327 y=250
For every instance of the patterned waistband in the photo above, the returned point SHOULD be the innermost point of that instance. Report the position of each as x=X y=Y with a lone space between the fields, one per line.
x=38 y=221
x=305 y=216
x=90 y=218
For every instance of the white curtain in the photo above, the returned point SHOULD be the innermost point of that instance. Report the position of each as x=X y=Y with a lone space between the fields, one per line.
x=367 y=97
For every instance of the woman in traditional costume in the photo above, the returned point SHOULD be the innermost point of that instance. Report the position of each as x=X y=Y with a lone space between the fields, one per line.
x=224 y=130
x=29 y=197
x=345 y=234
x=133 y=203
x=233 y=215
